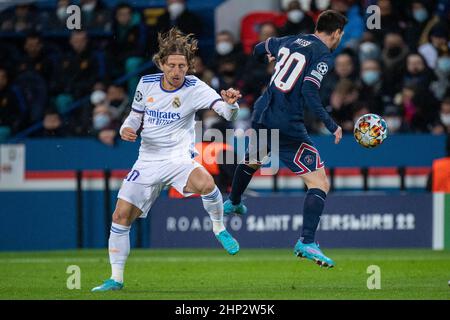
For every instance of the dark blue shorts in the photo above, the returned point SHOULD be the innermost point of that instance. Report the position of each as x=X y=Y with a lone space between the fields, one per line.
x=300 y=156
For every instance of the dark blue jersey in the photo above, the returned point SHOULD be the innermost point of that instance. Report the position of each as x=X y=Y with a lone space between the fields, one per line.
x=301 y=63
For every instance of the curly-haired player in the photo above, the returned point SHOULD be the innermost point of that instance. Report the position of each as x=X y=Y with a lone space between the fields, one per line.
x=165 y=105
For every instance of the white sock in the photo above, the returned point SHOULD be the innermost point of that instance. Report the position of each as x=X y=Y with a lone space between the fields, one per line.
x=119 y=248
x=213 y=204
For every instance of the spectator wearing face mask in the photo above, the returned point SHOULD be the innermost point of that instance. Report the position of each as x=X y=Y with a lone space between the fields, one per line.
x=394 y=120
x=103 y=124
x=178 y=15
x=394 y=56
x=311 y=7
x=419 y=17
x=297 y=22
x=442 y=72
x=243 y=119
x=118 y=101
x=417 y=72
x=227 y=49
x=114 y=98
x=372 y=87
x=227 y=74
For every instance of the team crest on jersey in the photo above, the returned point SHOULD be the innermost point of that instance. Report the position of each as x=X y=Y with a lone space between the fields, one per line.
x=322 y=67
x=138 y=96
x=176 y=103
x=309 y=160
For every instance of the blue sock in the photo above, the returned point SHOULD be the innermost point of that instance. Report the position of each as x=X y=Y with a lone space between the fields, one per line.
x=312 y=210
x=242 y=177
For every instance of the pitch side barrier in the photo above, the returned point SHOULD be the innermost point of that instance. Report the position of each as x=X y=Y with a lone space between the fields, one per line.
x=72 y=209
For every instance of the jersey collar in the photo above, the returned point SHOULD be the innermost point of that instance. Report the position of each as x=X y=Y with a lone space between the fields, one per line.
x=170 y=91
x=320 y=40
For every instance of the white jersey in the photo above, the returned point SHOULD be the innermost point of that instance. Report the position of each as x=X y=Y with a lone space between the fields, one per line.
x=168 y=116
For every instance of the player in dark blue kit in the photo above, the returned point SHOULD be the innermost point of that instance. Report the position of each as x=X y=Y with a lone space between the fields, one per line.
x=301 y=63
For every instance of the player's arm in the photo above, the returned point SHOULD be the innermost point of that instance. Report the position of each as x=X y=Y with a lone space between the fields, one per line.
x=130 y=126
x=268 y=47
x=310 y=92
x=225 y=104
x=134 y=120
x=228 y=108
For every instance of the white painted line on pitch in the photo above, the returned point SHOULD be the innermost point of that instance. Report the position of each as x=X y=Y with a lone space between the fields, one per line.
x=147 y=259
x=205 y=259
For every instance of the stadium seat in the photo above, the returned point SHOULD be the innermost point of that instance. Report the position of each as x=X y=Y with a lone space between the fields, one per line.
x=250 y=26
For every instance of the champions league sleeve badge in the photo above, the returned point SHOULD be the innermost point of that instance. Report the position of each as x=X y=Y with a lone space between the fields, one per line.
x=322 y=67
x=138 y=97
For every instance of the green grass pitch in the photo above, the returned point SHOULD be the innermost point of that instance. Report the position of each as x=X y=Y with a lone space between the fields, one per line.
x=212 y=274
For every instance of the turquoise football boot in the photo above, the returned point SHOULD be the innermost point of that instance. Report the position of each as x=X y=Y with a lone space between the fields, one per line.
x=230 y=208
x=228 y=242
x=312 y=252
x=108 y=285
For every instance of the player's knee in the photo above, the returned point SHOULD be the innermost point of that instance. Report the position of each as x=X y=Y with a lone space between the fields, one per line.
x=208 y=185
x=122 y=217
x=325 y=185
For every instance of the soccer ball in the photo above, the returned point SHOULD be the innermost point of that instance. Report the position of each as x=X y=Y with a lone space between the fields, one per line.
x=370 y=130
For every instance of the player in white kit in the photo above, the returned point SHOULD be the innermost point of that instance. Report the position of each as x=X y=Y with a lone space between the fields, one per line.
x=165 y=105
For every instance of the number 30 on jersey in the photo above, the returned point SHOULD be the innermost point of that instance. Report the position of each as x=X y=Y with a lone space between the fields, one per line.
x=288 y=69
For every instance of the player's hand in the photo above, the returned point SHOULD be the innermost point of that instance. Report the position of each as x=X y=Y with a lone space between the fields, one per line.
x=338 y=135
x=231 y=95
x=128 y=134
x=270 y=58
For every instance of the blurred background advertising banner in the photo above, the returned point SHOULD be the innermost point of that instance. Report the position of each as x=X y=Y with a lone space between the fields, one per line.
x=12 y=164
x=365 y=221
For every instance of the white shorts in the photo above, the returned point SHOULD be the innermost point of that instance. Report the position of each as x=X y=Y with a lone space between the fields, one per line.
x=146 y=179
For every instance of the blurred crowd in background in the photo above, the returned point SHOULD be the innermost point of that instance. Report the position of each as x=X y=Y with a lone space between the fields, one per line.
x=400 y=71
